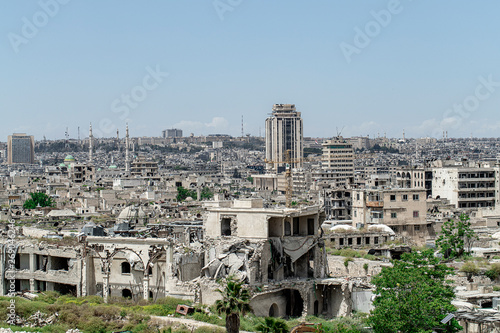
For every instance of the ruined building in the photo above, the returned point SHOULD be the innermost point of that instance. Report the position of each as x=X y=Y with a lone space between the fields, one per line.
x=279 y=252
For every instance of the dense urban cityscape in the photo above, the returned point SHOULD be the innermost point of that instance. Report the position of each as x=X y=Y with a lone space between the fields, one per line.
x=249 y=166
x=145 y=218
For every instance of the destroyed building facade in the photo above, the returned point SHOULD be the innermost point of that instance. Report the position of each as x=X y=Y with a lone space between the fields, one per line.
x=279 y=252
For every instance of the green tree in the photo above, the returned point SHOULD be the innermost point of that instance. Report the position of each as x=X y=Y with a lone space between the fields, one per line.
x=413 y=295
x=183 y=193
x=456 y=237
x=235 y=301
x=38 y=199
x=272 y=325
x=206 y=193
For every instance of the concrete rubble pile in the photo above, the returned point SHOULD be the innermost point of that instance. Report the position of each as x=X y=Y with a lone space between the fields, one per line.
x=238 y=257
x=38 y=319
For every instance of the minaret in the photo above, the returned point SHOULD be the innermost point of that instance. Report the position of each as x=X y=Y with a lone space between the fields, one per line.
x=127 y=161
x=117 y=140
x=91 y=145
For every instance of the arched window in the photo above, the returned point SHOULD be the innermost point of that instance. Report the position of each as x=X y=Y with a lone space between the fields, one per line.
x=125 y=268
x=274 y=310
x=126 y=293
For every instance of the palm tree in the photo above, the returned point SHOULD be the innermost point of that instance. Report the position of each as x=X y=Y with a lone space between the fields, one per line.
x=272 y=325
x=235 y=301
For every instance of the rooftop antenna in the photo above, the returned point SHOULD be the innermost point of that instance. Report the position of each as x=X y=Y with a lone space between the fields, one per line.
x=78 y=133
x=339 y=133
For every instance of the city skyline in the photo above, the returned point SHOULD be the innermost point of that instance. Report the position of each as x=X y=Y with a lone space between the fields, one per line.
x=371 y=68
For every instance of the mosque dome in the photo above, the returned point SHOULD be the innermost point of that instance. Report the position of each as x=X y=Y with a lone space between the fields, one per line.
x=69 y=158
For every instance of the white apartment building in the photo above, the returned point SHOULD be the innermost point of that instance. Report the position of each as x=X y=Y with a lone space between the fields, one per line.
x=338 y=158
x=467 y=187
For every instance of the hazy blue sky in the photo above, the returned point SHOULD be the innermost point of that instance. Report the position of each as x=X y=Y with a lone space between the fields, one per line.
x=430 y=66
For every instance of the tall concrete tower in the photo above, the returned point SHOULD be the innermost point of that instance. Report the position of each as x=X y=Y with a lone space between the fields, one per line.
x=20 y=149
x=91 y=144
x=127 y=160
x=284 y=131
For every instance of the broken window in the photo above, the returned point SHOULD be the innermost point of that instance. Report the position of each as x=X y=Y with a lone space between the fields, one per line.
x=310 y=227
x=295 y=226
x=59 y=263
x=341 y=241
x=65 y=289
x=288 y=228
x=125 y=268
x=225 y=226
x=367 y=240
x=375 y=240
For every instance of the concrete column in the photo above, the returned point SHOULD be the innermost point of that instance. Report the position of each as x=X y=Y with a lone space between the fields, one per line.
x=32 y=283
x=33 y=262
x=146 y=285
x=105 y=287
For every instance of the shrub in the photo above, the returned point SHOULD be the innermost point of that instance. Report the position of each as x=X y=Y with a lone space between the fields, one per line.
x=370 y=257
x=493 y=272
x=365 y=267
x=346 y=261
x=470 y=268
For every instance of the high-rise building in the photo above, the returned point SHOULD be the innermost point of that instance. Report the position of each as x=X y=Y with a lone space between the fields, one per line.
x=172 y=133
x=338 y=159
x=21 y=149
x=284 y=131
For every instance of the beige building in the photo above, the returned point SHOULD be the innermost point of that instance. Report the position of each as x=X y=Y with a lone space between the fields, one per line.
x=403 y=210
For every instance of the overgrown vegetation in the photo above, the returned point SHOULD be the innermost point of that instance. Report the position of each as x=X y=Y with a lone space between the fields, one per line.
x=38 y=199
x=457 y=237
x=493 y=272
x=413 y=295
x=183 y=194
x=91 y=315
